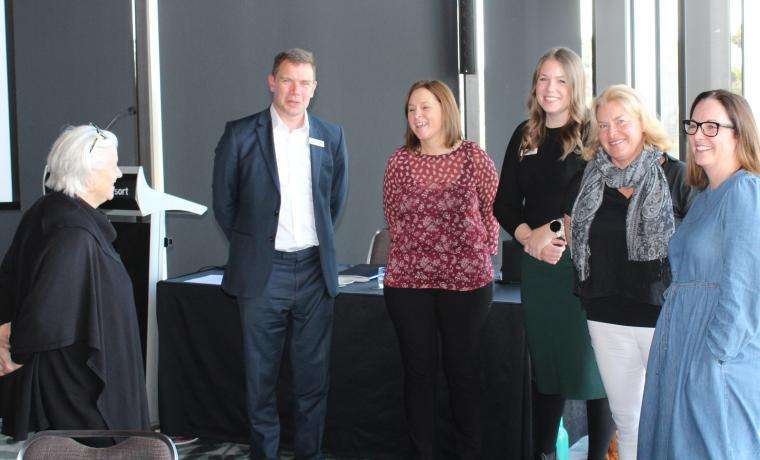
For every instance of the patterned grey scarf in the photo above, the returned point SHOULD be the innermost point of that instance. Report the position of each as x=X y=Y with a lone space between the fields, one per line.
x=649 y=223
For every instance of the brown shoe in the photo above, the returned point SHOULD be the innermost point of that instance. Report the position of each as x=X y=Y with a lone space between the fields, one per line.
x=612 y=451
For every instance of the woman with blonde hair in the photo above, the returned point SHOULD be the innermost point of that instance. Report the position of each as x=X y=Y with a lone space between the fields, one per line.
x=542 y=158
x=628 y=203
x=701 y=398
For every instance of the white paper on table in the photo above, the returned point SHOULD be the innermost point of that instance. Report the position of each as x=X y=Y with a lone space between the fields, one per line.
x=345 y=280
x=215 y=279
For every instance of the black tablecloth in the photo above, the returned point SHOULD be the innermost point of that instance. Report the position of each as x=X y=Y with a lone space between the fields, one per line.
x=201 y=379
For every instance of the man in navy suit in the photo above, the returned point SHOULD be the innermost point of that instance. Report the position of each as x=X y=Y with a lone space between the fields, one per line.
x=279 y=185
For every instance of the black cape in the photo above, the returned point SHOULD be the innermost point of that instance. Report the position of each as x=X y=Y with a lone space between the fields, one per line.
x=73 y=325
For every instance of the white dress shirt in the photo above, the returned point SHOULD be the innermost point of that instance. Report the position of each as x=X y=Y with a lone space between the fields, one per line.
x=295 y=228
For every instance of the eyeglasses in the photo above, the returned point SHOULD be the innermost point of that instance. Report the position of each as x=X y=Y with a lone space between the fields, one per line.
x=98 y=135
x=709 y=128
x=99 y=132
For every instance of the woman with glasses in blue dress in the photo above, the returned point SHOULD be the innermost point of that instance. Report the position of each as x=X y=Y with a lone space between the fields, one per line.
x=702 y=395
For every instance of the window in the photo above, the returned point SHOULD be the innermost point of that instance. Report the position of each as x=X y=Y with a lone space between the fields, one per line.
x=745 y=42
x=655 y=60
x=587 y=46
x=751 y=47
x=668 y=77
x=736 y=40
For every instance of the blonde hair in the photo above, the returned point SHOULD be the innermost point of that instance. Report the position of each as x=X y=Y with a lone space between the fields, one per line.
x=745 y=132
x=452 y=127
x=571 y=134
x=654 y=133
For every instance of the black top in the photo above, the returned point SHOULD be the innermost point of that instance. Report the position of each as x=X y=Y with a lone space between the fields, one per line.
x=533 y=190
x=74 y=325
x=620 y=291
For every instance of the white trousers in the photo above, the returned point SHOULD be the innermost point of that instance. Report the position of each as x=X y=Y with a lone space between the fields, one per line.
x=621 y=354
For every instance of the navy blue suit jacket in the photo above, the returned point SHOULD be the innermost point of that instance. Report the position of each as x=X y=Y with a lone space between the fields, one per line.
x=247 y=198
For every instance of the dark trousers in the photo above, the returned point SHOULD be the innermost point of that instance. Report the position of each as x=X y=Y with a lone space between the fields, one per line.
x=420 y=316
x=295 y=295
x=547 y=411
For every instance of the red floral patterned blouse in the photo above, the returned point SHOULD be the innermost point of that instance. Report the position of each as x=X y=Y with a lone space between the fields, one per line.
x=440 y=215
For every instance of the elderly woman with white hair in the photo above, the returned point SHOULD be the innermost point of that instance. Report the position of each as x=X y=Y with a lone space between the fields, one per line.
x=70 y=352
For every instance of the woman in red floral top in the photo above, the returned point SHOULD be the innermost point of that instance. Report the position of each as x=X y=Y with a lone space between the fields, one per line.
x=438 y=197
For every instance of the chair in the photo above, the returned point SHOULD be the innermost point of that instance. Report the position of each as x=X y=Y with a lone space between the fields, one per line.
x=378 y=247
x=59 y=445
x=511 y=257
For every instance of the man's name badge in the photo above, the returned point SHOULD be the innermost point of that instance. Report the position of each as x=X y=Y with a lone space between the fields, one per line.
x=317 y=142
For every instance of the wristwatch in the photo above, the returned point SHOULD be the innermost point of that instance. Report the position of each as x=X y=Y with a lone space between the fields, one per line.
x=558 y=227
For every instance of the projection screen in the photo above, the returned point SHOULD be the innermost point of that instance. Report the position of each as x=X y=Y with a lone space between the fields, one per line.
x=9 y=189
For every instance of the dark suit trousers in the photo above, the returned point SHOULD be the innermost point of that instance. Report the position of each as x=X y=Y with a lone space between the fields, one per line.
x=295 y=294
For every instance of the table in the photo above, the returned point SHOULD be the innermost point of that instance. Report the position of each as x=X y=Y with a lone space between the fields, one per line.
x=201 y=385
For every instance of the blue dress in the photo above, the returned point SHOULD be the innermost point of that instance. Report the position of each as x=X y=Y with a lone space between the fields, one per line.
x=702 y=394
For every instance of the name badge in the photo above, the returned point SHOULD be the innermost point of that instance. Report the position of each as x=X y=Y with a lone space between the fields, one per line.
x=317 y=142
x=525 y=153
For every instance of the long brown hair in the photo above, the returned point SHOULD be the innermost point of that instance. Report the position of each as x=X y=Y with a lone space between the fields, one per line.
x=571 y=134
x=745 y=132
x=452 y=127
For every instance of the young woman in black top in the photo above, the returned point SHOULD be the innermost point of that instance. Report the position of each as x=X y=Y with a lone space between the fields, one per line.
x=541 y=161
x=628 y=203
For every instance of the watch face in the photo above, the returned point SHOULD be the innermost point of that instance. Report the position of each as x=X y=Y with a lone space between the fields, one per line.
x=555 y=226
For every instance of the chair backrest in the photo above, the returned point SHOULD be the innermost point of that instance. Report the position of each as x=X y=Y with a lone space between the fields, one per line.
x=378 y=247
x=511 y=259
x=61 y=445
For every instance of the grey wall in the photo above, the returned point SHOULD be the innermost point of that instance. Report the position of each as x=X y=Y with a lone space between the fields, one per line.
x=214 y=62
x=612 y=59
x=73 y=64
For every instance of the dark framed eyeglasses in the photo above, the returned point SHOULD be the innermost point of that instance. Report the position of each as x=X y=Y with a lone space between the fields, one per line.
x=98 y=135
x=709 y=128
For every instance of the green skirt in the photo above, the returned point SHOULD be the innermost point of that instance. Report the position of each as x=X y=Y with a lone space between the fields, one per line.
x=555 y=323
